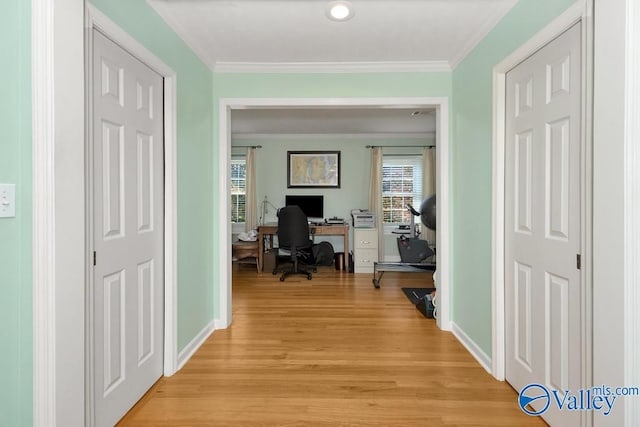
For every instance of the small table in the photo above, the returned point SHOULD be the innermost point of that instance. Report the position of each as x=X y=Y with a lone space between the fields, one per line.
x=242 y=250
x=404 y=267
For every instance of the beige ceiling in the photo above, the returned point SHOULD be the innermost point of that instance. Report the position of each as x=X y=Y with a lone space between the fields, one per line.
x=237 y=35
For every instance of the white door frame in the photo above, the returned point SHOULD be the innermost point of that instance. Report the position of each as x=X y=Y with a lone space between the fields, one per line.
x=60 y=187
x=441 y=104
x=579 y=11
x=632 y=211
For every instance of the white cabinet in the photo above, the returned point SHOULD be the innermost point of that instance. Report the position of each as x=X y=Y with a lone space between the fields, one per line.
x=365 y=249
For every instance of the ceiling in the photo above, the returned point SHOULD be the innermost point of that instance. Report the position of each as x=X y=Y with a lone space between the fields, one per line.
x=237 y=35
x=297 y=36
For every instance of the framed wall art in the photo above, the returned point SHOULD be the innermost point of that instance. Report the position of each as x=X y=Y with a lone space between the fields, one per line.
x=313 y=169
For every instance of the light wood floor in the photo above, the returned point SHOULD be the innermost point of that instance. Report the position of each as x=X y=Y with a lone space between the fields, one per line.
x=327 y=352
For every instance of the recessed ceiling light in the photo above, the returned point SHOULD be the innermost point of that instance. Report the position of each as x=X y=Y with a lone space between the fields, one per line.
x=340 y=11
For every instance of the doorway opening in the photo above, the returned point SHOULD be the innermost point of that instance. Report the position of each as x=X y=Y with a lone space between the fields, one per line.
x=228 y=105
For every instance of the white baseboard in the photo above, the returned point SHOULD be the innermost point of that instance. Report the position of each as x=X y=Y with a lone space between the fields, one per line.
x=472 y=347
x=220 y=324
x=194 y=345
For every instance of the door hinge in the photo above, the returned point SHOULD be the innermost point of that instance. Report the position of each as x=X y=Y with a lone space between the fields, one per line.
x=578 y=261
x=94 y=258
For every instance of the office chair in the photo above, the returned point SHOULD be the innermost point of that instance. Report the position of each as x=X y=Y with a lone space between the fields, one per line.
x=293 y=236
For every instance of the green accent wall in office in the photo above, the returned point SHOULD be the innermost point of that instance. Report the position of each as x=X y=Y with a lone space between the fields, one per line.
x=194 y=158
x=471 y=163
x=15 y=233
x=323 y=85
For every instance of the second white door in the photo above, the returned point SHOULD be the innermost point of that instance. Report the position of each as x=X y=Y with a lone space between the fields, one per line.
x=543 y=223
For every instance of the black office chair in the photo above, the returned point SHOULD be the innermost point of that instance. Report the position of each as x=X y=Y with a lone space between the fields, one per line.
x=293 y=236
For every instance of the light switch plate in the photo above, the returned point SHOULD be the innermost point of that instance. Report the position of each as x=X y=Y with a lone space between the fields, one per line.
x=7 y=200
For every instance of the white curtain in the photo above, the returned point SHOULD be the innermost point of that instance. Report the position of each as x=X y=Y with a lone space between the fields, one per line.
x=251 y=205
x=375 y=196
x=428 y=184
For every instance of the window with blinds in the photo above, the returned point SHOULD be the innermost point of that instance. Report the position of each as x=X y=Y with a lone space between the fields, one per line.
x=238 y=190
x=401 y=185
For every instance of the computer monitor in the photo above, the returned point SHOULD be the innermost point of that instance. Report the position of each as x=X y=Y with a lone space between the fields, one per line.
x=312 y=206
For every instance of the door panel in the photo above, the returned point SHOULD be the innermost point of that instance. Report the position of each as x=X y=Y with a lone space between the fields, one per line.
x=557 y=180
x=542 y=221
x=128 y=191
x=114 y=333
x=523 y=308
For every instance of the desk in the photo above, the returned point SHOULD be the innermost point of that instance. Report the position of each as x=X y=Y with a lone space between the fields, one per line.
x=270 y=229
x=243 y=250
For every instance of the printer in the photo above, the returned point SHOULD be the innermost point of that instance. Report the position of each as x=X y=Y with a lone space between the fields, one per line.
x=363 y=218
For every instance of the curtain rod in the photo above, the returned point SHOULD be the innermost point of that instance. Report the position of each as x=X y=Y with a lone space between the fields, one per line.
x=400 y=146
x=246 y=146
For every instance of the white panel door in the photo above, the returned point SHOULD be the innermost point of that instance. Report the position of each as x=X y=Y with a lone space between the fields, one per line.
x=128 y=191
x=543 y=216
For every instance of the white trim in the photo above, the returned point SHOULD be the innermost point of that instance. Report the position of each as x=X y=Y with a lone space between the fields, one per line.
x=44 y=273
x=171 y=20
x=224 y=215
x=443 y=212
x=170 y=226
x=497 y=227
x=483 y=358
x=573 y=14
x=442 y=170
x=586 y=201
x=331 y=67
x=58 y=216
x=218 y=324
x=424 y=136
x=190 y=349
x=97 y=19
x=632 y=209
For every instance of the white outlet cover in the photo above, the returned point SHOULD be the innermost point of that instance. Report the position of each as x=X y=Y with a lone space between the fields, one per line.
x=7 y=200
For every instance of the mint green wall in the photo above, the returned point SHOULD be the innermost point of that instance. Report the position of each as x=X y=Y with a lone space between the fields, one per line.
x=15 y=233
x=323 y=85
x=271 y=174
x=471 y=163
x=195 y=157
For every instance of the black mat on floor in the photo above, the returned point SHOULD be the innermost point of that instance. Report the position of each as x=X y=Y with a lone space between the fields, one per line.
x=416 y=294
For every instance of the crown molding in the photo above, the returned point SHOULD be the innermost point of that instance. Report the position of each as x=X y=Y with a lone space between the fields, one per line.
x=192 y=43
x=333 y=67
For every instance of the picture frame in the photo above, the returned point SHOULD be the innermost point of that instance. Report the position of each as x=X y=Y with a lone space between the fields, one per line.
x=313 y=169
